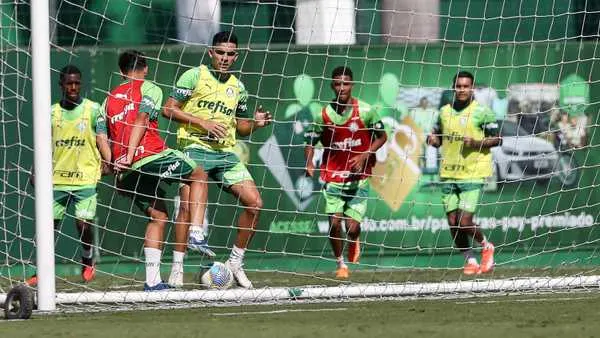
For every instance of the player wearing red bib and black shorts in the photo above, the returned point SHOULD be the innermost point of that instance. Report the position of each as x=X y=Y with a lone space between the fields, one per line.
x=350 y=132
x=144 y=161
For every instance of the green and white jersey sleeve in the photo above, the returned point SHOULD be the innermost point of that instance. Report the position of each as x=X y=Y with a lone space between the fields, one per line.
x=242 y=108
x=369 y=116
x=485 y=118
x=152 y=97
x=185 y=85
x=98 y=119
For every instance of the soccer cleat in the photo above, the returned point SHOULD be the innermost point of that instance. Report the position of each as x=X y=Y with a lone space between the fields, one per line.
x=201 y=246
x=88 y=272
x=487 y=258
x=342 y=272
x=471 y=268
x=32 y=281
x=88 y=269
x=354 y=251
x=161 y=286
x=176 y=279
x=239 y=274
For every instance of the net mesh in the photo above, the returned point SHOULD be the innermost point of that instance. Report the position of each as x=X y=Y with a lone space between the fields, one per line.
x=533 y=65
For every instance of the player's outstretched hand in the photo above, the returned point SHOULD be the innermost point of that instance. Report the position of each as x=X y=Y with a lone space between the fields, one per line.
x=106 y=168
x=122 y=163
x=357 y=163
x=262 y=118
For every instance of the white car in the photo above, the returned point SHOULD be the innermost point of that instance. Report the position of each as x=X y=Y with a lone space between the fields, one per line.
x=523 y=156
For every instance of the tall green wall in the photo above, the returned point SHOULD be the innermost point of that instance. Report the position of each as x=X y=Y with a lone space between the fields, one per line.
x=269 y=77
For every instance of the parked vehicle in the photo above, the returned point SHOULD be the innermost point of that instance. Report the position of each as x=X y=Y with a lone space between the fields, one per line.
x=523 y=156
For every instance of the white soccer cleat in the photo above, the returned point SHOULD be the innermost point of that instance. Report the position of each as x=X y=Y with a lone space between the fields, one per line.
x=176 y=279
x=239 y=274
x=197 y=242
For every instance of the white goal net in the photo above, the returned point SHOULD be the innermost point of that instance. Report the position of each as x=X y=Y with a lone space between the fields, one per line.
x=533 y=62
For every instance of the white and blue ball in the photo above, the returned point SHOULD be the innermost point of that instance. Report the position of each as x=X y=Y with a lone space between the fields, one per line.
x=218 y=276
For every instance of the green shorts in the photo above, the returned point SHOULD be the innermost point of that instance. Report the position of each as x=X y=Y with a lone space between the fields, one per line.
x=142 y=183
x=223 y=167
x=347 y=198
x=84 y=201
x=461 y=195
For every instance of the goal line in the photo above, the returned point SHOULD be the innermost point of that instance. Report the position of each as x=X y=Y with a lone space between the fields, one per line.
x=486 y=287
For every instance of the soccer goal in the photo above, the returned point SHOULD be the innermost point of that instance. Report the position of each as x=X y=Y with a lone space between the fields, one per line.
x=532 y=62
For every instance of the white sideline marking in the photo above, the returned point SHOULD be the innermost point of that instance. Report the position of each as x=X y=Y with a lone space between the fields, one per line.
x=277 y=311
x=527 y=300
x=8 y=321
x=121 y=287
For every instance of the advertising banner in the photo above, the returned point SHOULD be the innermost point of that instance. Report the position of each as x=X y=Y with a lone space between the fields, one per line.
x=541 y=197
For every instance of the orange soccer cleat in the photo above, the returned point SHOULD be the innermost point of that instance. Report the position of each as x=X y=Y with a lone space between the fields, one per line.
x=487 y=258
x=88 y=269
x=88 y=273
x=354 y=251
x=471 y=268
x=342 y=273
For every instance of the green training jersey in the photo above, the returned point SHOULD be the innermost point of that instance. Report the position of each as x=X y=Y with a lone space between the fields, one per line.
x=458 y=162
x=75 y=156
x=208 y=98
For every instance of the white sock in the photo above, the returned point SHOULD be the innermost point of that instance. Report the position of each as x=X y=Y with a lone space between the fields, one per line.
x=340 y=262
x=237 y=255
x=152 y=266
x=197 y=232
x=177 y=262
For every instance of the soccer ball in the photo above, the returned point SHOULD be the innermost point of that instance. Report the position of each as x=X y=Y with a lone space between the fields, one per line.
x=218 y=276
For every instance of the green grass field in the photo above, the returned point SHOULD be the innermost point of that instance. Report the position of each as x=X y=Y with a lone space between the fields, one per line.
x=546 y=315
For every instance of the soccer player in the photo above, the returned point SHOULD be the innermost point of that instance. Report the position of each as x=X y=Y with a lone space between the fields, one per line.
x=350 y=132
x=466 y=130
x=79 y=147
x=144 y=161
x=210 y=104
